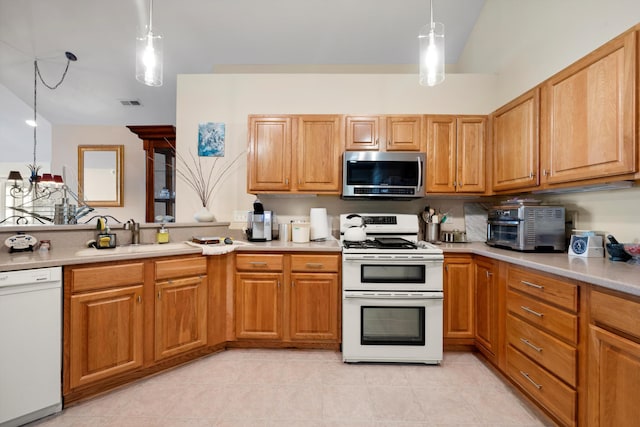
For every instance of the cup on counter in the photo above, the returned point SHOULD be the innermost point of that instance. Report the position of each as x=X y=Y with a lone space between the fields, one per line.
x=284 y=232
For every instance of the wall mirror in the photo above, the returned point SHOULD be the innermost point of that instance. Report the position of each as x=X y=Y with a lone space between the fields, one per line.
x=101 y=175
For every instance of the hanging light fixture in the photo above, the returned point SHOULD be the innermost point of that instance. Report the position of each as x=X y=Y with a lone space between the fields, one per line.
x=35 y=200
x=431 y=39
x=149 y=54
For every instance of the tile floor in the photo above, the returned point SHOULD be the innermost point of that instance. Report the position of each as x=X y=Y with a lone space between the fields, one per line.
x=243 y=387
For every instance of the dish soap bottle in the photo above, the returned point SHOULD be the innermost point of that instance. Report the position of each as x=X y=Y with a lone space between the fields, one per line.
x=162 y=236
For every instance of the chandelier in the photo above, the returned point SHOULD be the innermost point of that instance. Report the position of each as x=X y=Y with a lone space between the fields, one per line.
x=45 y=197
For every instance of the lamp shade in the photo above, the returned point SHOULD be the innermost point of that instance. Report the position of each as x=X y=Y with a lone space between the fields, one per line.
x=15 y=175
x=149 y=58
x=432 y=54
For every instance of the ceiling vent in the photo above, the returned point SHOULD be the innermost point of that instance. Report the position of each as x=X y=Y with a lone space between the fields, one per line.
x=132 y=102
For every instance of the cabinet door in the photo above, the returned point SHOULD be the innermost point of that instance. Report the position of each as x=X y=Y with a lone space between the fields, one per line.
x=588 y=127
x=106 y=334
x=613 y=380
x=258 y=306
x=441 y=154
x=516 y=143
x=314 y=304
x=486 y=297
x=180 y=316
x=269 y=156
x=318 y=154
x=458 y=297
x=363 y=133
x=470 y=148
x=404 y=133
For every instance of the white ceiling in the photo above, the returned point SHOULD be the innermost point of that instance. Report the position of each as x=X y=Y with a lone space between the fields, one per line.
x=204 y=36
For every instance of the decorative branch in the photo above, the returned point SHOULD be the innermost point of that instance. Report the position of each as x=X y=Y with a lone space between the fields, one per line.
x=203 y=181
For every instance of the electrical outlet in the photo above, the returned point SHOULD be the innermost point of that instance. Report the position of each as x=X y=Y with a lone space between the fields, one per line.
x=239 y=216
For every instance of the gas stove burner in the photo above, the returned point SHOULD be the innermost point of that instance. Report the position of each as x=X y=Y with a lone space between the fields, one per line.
x=380 y=243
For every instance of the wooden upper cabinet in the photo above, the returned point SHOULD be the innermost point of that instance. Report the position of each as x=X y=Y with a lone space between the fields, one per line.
x=456 y=154
x=441 y=154
x=588 y=115
x=318 y=148
x=516 y=143
x=363 y=133
x=269 y=154
x=384 y=133
x=295 y=154
x=404 y=133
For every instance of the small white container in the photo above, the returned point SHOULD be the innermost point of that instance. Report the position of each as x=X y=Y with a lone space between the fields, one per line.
x=300 y=232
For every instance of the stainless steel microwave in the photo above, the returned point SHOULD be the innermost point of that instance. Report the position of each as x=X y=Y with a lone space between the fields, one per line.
x=371 y=174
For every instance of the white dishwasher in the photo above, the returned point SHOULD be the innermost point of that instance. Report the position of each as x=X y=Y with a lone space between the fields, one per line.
x=31 y=345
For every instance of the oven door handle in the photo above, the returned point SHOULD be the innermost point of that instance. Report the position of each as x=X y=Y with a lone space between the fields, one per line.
x=504 y=222
x=394 y=296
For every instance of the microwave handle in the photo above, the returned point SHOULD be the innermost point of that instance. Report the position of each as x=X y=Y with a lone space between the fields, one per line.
x=420 y=171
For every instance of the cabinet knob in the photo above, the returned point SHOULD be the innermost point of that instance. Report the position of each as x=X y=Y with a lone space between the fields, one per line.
x=489 y=274
x=293 y=283
x=139 y=299
x=159 y=294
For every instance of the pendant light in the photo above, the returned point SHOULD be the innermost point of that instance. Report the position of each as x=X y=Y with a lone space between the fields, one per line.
x=431 y=39
x=149 y=54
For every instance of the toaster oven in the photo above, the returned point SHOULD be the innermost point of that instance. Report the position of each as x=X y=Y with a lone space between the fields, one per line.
x=527 y=228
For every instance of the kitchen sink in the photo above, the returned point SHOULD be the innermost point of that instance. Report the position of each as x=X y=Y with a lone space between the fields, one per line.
x=134 y=249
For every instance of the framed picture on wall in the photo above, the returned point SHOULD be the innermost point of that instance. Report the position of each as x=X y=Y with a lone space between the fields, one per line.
x=211 y=139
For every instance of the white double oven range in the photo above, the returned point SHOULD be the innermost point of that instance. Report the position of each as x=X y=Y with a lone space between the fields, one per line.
x=392 y=294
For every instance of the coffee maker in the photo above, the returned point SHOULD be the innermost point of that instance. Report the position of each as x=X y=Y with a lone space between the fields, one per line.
x=259 y=223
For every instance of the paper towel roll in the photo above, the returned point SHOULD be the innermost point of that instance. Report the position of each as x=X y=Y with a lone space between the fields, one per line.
x=319 y=224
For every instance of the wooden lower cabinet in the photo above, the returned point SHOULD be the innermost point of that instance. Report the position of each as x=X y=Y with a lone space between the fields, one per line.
x=258 y=306
x=180 y=316
x=106 y=334
x=542 y=339
x=614 y=360
x=282 y=298
x=459 y=306
x=486 y=307
x=125 y=320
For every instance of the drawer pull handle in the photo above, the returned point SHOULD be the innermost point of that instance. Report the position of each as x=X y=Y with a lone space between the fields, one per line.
x=315 y=265
x=528 y=310
x=531 y=285
x=258 y=263
x=536 y=385
x=530 y=344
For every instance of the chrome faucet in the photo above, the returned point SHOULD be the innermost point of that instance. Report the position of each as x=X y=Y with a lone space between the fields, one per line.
x=135 y=231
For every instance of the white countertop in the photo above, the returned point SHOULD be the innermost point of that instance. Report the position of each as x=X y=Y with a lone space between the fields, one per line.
x=598 y=271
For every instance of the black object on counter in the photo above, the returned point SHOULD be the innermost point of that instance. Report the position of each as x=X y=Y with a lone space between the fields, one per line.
x=616 y=251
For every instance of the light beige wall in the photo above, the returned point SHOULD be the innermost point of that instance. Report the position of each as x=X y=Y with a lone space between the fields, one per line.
x=230 y=98
x=65 y=153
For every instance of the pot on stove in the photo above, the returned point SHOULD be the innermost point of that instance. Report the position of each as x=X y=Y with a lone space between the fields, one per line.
x=355 y=233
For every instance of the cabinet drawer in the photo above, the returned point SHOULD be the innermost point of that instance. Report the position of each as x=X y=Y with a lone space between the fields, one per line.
x=551 y=353
x=554 y=320
x=259 y=262
x=621 y=314
x=181 y=267
x=315 y=263
x=561 y=292
x=107 y=276
x=557 y=397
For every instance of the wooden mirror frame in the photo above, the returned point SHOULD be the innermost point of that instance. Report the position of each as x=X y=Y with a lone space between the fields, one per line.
x=119 y=153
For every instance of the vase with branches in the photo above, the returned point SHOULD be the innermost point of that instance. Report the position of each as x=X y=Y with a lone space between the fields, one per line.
x=203 y=179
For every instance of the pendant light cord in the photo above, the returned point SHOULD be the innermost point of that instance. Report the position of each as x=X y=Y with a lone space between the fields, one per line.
x=36 y=75
x=150 y=16
x=431 y=13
